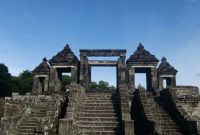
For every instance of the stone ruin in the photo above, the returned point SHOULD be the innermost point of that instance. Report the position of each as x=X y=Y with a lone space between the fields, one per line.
x=127 y=110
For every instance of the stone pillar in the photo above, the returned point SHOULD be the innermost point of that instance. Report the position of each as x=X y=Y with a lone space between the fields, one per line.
x=154 y=78
x=118 y=73
x=131 y=78
x=123 y=70
x=173 y=81
x=82 y=62
x=65 y=127
x=89 y=72
x=84 y=72
x=36 y=86
x=74 y=74
x=128 y=127
x=46 y=83
x=54 y=82
x=127 y=123
x=160 y=83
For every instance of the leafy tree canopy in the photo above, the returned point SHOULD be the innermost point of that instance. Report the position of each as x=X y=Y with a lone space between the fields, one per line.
x=66 y=80
x=101 y=85
x=5 y=81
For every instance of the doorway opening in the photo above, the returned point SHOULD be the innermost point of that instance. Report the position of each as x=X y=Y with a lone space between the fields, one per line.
x=42 y=80
x=64 y=75
x=103 y=77
x=140 y=81
x=144 y=77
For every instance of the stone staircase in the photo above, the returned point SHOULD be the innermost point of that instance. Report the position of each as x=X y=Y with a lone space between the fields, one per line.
x=155 y=111
x=167 y=124
x=28 y=127
x=98 y=114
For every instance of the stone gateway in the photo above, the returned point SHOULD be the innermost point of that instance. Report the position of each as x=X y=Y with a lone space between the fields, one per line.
x=160 y=108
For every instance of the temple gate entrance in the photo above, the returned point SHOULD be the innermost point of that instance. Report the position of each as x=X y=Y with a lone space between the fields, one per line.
x=86 y=64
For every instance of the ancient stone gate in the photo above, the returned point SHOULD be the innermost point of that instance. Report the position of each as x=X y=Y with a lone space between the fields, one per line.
x=126 y=111
x=86 y=64
x=48 y=75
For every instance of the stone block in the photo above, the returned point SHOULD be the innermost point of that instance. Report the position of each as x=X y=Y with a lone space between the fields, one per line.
x=128 y=127
x=65 y=127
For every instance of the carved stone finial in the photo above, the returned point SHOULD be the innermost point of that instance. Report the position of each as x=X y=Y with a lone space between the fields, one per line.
x=44 y=59
x=140 y=47
x=164 y=59
x=67 y=46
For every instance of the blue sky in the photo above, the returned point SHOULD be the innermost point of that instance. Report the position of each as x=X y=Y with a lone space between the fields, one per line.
x=33 y=29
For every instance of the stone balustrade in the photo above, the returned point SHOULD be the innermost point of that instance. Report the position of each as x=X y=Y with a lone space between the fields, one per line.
x=128 y=124
x=20 y=108
x=186 y=101
x=67 y=125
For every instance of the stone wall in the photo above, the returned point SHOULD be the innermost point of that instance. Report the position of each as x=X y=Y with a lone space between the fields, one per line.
x=19 y=108
x=187 y=102
x=1 y=107
x=67 y=125
x=125 y=110
x=188 y=98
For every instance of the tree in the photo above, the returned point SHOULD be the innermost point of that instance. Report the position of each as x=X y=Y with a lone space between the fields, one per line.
x=22 y=83
x=103 y=85
x=5 y=81
x=26 y=81
x=66 y=80
x=112 y=87
x=94 y=85
x=140 y=87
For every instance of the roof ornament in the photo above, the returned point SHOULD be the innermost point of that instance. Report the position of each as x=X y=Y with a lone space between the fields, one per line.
x=67 y=47
x=44 y=59
x=164 y=59
x=140 y=47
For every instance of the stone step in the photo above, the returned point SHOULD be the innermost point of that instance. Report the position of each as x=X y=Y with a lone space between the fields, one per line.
x=115 y=119
x=97 y=104
x=31 y=120
x=98 y=123
x=96 y=107
x=28 y=130
x=101 y=132
x=96 y=111
x=27 y=126
x=101 y=97
x=83 y=114
x=100 y=101
x=99 y=128
x=43 y=109
x=24 y=133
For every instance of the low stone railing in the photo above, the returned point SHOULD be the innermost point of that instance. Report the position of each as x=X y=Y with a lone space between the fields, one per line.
x=17 y=109
x=145 y=100
x=20 y=108
x=125 y=102
x=67 y=125
x=48 y=125
x=2 y=103
x=176 y=99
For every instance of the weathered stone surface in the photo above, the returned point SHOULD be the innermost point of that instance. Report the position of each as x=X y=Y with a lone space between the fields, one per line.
x=188 y=98
x=43 y=68
x=142 y=56
x=104 y=112
x=166 y=69
x=64 y=57
x=2 y=103
x=41 y=111
x=67 y=126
